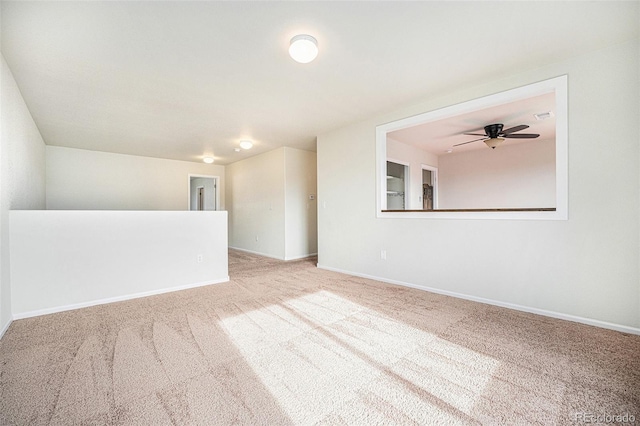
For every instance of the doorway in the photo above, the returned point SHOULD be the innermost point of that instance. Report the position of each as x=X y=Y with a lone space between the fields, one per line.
x=397 y=183
x=429 y=187
x=203 y=193
x=200 y=202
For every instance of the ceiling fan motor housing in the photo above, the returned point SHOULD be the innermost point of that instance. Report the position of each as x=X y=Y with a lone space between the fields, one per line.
x=493 y=130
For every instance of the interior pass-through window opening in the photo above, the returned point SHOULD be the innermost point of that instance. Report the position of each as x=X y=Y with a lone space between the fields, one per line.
x=501 y=156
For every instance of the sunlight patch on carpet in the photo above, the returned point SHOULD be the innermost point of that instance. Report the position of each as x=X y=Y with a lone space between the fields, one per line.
x=324 y=357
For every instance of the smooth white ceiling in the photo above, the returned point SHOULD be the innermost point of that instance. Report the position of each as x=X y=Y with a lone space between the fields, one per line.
x=182 y=80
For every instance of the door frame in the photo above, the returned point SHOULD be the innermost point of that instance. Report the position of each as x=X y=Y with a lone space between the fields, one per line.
x=434 y=182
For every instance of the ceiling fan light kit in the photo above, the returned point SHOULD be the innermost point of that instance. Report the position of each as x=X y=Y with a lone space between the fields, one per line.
x=493 y=142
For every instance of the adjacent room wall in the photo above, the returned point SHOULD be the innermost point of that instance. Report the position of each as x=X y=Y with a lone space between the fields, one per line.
x=84 y=258
x=510 y=176
x=585 y=268
x=301 y=214
x=90 y=180
x=22 y=174
x=268 y=202
x=256 y=204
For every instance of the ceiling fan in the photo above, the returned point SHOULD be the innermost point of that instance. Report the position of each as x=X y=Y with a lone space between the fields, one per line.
x=494 y=135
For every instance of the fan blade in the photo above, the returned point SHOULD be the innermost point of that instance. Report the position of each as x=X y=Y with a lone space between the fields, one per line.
x=522 y=136
x=476 y=134
x=475 y=140
x=515 y=129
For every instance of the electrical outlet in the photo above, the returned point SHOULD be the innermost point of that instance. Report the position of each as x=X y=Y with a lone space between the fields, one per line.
x=383 y=254
x=199 y=258
x=257 y=238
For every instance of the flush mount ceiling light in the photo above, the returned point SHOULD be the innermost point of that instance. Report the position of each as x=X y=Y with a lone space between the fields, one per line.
x=245 y=144
x=208 y=160
x=303 y=48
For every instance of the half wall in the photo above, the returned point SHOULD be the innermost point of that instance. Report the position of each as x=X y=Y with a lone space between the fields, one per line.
x=63 y=260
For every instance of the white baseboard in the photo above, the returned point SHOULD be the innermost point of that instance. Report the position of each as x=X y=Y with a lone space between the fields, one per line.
x=304 y=256
x=256 y=252
x=113 y=299
x=543 y=312
x=6 y=327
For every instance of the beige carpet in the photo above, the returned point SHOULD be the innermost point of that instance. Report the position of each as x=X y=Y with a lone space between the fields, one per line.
x=287 y=343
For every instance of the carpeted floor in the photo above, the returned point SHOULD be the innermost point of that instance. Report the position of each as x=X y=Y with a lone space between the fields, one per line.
x=287 y=343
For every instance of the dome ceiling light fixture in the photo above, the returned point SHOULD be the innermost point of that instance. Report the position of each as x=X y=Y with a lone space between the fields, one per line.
x=303 y=48
x=208 y=160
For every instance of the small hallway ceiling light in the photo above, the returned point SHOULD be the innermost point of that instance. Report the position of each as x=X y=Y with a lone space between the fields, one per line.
x=303 y=48
x=208 y=160
x=245 y=144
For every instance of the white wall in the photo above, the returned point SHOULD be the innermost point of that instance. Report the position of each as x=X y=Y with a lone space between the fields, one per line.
x=301 y=214
x=22 y=169
x=90 y=180
x=585 y=267
x=255 y=202
x=89 y=257
x=510 y=176
x=415 y=158
x=268 y=202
